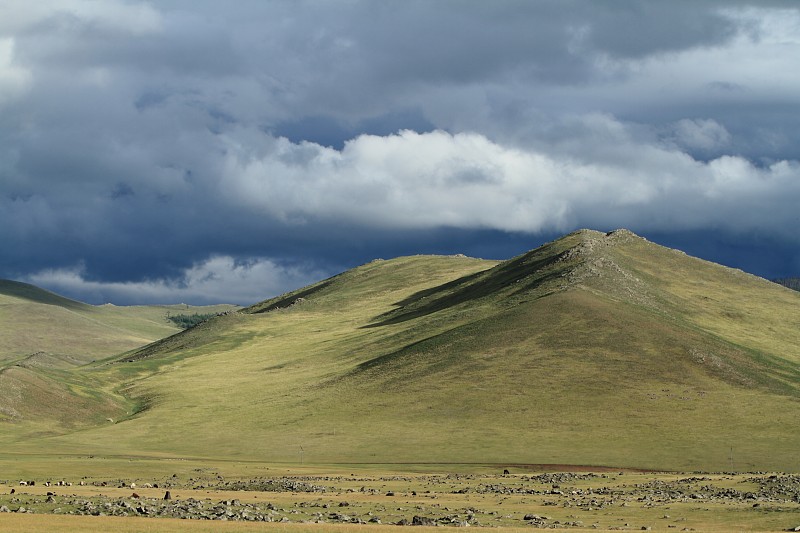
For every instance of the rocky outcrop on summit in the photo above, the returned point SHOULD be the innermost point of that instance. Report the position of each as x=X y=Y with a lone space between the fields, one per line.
x=595 y=265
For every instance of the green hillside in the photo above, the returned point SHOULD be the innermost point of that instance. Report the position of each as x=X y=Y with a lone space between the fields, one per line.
x=45 y=337
x=37 y=321
x=595 y=349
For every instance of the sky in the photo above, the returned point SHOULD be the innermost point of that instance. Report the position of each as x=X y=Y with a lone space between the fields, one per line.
x=203 y=151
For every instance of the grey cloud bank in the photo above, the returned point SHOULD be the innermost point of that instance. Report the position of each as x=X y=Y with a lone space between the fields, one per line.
x=209 y=151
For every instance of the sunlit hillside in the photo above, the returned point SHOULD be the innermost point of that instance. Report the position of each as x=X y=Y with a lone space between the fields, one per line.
x=595 y=349
x=44 y=337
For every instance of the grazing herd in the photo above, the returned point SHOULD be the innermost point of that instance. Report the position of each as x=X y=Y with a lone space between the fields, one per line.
x=32 y=483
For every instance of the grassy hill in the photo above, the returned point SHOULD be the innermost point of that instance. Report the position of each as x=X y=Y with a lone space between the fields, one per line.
x=11 y=291
x=37 y=321
x=44 y=337
x=596 y=349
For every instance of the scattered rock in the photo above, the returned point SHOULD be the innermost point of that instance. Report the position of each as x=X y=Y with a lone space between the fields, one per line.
x=535 y=517
x=422 y=521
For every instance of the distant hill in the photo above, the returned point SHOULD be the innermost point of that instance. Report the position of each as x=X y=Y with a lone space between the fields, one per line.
x=791 y=283
x=39 y=321
x=44 y=337
x=594 y=349
x=17 y=290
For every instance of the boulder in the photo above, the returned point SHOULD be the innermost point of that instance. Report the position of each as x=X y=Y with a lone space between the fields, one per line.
x=422 y=521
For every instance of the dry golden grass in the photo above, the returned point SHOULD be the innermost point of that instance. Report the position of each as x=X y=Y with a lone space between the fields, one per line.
x=601 y=501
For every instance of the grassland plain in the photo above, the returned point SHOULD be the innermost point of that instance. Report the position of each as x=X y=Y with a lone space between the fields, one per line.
x=248 y=497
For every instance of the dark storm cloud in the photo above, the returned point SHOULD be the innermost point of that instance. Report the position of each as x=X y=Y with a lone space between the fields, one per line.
x=185 y=148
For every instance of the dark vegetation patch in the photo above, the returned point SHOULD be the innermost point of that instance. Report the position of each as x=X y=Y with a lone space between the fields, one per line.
x=190 y=321
x=791 y=283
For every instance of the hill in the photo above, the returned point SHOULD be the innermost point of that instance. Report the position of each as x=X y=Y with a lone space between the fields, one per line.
x=11 y=291
x=45 y=336
x=37 y=321
x=595 y=349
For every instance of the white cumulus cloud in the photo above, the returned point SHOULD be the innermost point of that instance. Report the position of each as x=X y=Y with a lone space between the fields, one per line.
x=218 y=279
x=465 y=180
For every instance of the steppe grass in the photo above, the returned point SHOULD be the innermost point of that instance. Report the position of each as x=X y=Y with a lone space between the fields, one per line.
x=43 y=340
x=77 y=332
x=604 y=501
x=736 y=306
x=103 y=524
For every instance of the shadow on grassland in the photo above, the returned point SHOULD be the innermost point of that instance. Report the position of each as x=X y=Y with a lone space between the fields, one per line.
x=534 y=270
